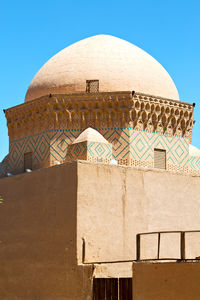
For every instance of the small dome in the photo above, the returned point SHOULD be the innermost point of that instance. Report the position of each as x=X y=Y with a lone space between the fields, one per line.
x=117 y=64
x=194 y=151
x=90 y=135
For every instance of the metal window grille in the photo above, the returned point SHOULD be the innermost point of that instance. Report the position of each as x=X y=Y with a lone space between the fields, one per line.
x=112 y=289
x=92 y=86
x=159 y=158
x=28 y=160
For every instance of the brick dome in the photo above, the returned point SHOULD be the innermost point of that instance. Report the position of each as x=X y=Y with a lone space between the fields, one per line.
x=117 y=64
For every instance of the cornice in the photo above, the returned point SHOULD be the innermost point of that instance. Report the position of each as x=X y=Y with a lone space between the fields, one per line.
x=127 y=109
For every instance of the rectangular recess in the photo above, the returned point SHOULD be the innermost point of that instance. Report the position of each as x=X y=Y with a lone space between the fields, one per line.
x=28 y=161
x=160 y=159
x=92 y=86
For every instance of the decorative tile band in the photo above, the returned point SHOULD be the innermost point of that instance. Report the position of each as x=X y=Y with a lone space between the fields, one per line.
x=195 y=162
x=129 y=147
x=142 y=146
x=91 y=151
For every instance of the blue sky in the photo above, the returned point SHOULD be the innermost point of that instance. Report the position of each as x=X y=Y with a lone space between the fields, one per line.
x=31 y=32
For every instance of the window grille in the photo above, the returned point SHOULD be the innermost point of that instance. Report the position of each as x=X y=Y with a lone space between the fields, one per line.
x=92 y=86
x=28 y=160
x=112 y=289
x=159 y=159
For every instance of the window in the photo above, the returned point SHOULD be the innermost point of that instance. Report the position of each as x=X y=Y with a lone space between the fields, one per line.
x=112 y=289
x=92 y=86
x=159 y=159
x=28 y=161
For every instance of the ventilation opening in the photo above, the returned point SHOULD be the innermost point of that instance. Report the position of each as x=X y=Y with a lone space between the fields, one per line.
x=28 y=161
x=160 y=159
x=112 y=289
x=92 y=86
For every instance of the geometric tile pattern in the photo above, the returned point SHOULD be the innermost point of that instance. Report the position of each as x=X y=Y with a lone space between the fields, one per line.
x=99 y=150
x=119 y=139
x=77 y=151
x=142 y=146
x=37 y=144
x=137 y=146
x=88 y=151
x=59 y=141
x=195 y=162
x=129 y=146
x=46 y=147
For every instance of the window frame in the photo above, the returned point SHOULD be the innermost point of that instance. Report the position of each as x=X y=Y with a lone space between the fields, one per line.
x=165 y=162
x=88 y=87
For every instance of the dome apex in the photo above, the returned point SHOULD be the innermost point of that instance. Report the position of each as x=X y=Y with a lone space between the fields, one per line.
x=90 y=135
x=194 y=151
x=117 y=64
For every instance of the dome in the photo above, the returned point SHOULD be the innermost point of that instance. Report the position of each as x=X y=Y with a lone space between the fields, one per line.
x=194 y=151
x=90 y=135
x=116 y=63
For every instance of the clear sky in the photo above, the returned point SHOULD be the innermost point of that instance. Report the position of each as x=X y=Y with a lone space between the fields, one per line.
x=31 y=32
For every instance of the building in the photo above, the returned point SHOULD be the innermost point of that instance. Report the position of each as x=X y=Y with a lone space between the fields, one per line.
x=109 y=143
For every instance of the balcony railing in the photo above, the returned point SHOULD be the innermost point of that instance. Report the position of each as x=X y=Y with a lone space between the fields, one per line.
x=159 y=234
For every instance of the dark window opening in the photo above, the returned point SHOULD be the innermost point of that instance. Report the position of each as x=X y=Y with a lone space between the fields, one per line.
x=92 y=86
x=28 y=161
x=112 y=289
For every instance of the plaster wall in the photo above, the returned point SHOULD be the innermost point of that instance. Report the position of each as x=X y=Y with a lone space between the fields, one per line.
x=38 y=237
x=164 y=281
x=115 y=203
x=46 y=214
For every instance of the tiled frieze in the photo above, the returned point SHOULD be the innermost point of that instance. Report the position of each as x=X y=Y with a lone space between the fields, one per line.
x=119 y=139
x=133 y=123
x=37 y=144
x=91 y=151
x=142 y=144
x=59 y=142
x=99 y=152
x=129 y=147
x=76 y=151
x=195 y=163
x=51 y=146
